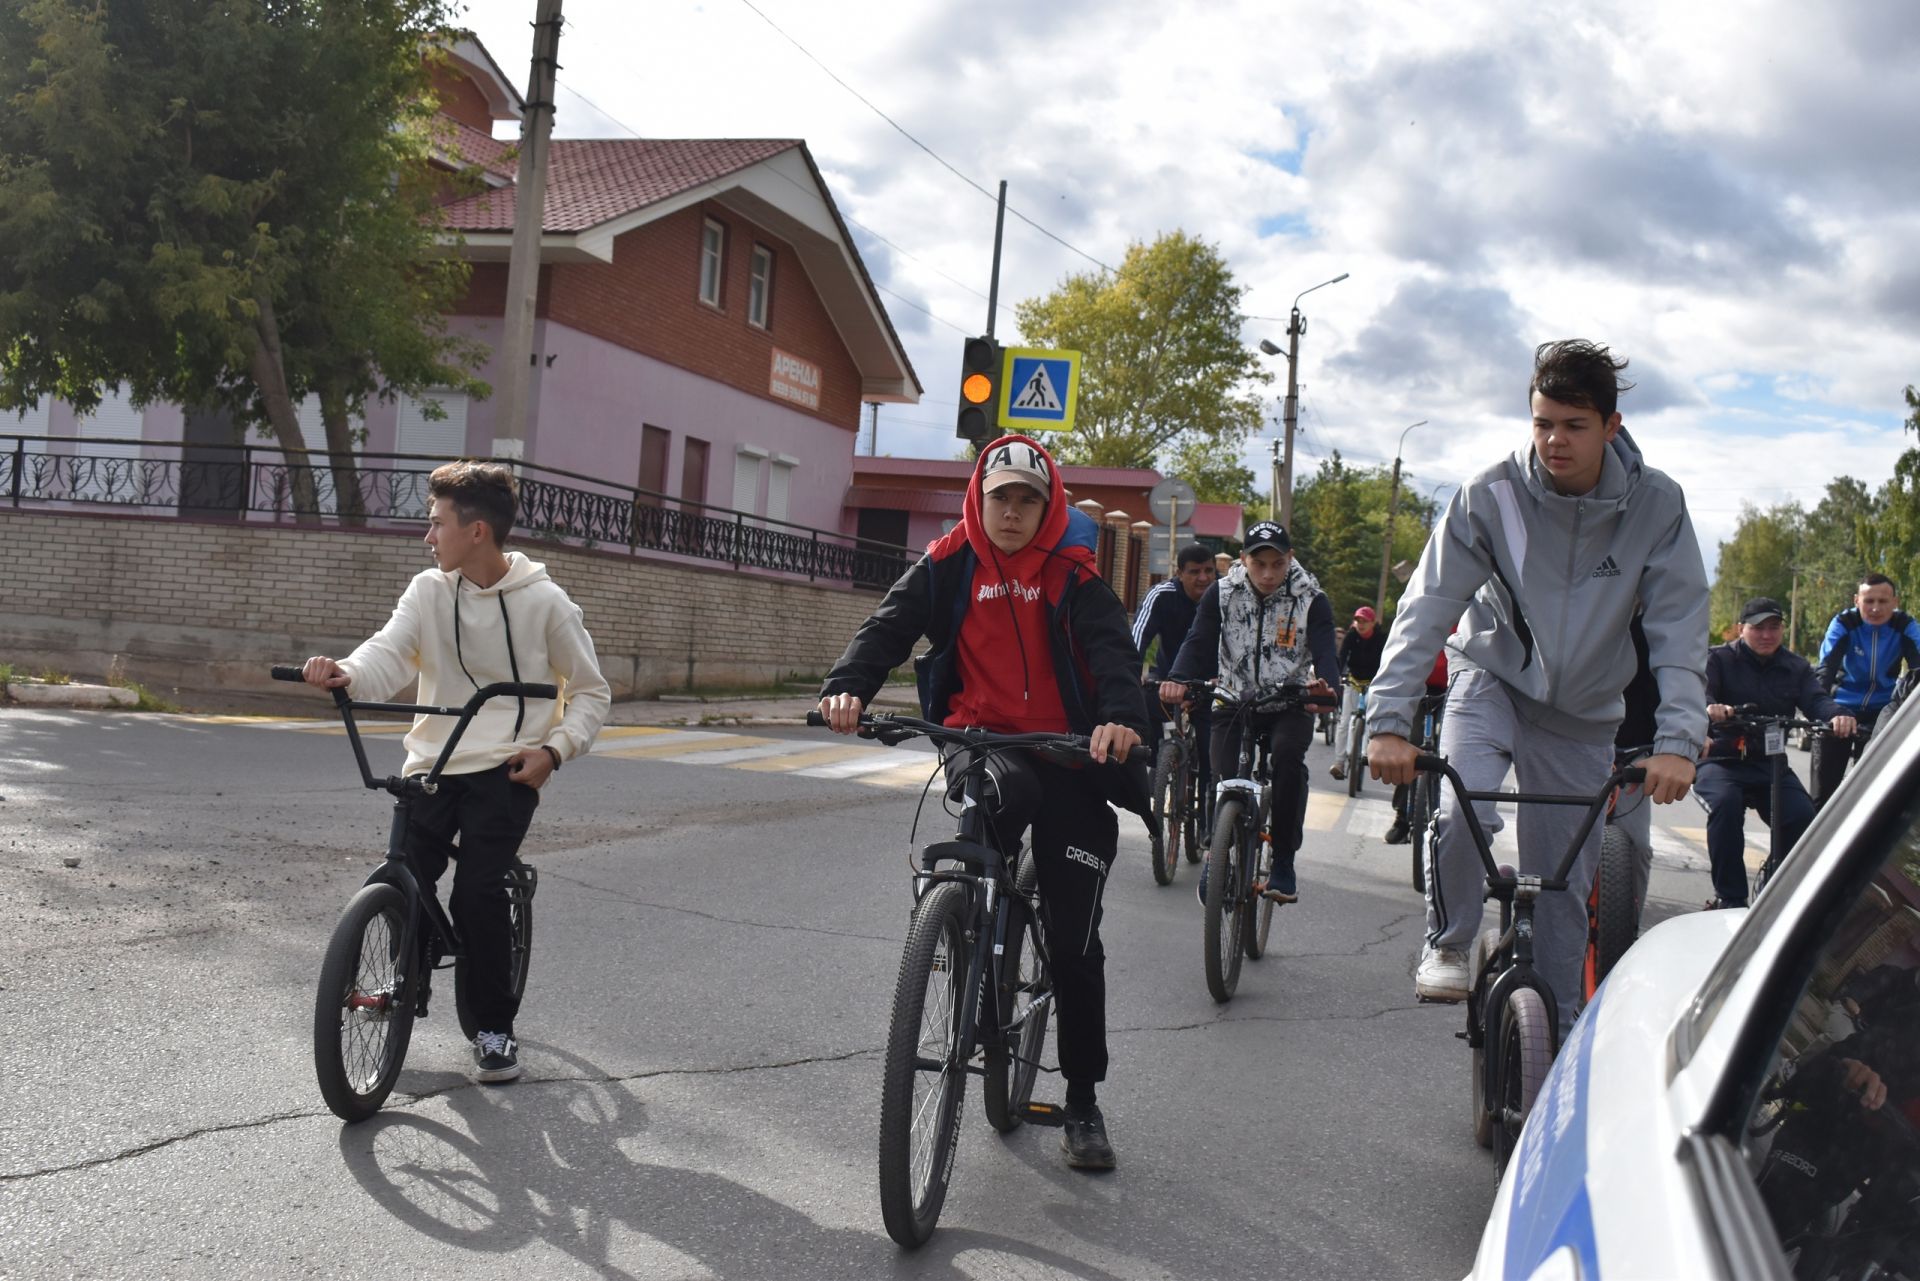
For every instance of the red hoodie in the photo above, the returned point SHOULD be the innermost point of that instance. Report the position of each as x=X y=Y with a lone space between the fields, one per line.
x=1004 y=650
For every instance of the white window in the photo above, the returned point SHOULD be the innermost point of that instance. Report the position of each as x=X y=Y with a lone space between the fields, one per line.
x=439 y=439
x=759 y=285
x=746 y=478
x=27 y=422
x=779 y=484
x=443 y=438
x=116 y=419
x=713 y=248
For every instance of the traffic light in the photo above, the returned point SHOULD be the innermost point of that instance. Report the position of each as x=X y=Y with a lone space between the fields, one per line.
x=979 y=390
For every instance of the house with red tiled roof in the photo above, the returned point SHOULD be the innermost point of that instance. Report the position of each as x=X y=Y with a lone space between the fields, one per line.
x=706 y=329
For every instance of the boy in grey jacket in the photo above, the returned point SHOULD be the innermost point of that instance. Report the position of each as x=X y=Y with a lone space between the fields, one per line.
x=1543 y=559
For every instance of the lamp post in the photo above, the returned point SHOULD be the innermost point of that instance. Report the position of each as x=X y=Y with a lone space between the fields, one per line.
x=1280 y=504
x=1393 y=506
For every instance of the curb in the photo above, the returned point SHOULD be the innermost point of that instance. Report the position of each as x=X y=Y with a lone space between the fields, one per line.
x=36 y=694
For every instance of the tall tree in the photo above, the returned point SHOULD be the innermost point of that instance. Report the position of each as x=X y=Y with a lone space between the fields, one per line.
x=1757 y=561
x=1890 y=539
x=1339 y=528
x=224 y=205
x=1165 y=379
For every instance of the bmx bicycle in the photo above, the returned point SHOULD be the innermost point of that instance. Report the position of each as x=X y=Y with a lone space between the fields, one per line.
x=376 y=977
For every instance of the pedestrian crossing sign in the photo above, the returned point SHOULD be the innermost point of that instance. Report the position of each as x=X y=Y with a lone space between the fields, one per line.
x=1038 y=389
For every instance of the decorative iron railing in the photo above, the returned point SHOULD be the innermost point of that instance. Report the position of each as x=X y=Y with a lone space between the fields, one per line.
x=261 y=483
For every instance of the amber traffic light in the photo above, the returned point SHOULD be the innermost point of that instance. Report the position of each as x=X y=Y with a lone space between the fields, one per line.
x=979 y=390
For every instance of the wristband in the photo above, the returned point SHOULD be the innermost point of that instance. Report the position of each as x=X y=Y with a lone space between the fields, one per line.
x=548 y=748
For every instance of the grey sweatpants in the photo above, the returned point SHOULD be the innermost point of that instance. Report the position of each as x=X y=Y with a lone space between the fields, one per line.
x=1482 y=737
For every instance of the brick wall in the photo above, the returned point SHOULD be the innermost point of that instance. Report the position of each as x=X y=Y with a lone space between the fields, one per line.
x=211 y=606
x=648 y=300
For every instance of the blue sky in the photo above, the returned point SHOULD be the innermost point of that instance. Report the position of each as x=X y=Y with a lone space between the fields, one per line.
x=1728 y=195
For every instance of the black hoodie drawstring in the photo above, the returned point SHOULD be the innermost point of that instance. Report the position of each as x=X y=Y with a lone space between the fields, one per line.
x=513 y=663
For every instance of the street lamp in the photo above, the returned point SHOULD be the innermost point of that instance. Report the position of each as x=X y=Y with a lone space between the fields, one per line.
x=1280 y=503
x=1393 y=506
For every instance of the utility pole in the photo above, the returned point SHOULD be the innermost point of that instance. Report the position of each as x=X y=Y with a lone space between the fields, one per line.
x=1296 y=325
x=873 y=440
x=1393 y=507
x=516 y=354
x=1273 y=493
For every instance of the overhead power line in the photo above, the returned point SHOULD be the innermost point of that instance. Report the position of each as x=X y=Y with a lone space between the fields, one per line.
x=939 y=159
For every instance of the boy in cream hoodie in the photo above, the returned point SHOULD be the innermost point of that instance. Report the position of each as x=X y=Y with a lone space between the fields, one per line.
x=483 y=615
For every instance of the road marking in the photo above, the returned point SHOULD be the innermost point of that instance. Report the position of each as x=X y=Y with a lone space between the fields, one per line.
x=668 y=746
x=1324 y=810
x=1371 y=817
x=807 y=756
x=879 y=759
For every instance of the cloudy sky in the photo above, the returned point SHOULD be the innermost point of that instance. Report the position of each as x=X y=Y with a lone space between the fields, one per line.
x=1728 y=194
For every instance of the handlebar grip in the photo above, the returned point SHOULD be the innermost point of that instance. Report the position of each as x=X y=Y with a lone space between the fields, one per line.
x=527 y=690
x=1436 y=764
x=816 y=720
x=282 y=672
x=1140 y=754
x=1633 y=775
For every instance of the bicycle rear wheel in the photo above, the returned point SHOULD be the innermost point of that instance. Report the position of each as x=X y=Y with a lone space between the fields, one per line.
x=923 y=1080
x=361 y=1019
x=1196 y=815
x=1526 y=1052
x=1224 y=918
x=1169 y=802
x=521 y=880
x=1616 y=920
x=1026 y=1003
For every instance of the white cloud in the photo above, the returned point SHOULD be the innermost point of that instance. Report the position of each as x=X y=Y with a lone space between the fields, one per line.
x=1725 y=194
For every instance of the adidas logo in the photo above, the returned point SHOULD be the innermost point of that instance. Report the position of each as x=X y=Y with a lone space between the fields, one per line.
x=1607 y=569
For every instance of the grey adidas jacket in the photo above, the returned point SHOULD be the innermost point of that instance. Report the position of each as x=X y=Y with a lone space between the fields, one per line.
x=1544 y=587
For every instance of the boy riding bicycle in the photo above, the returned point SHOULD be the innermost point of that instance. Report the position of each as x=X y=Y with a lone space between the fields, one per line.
x=1359 y=659
x=1026 y=637
x=1261 y=625
x=1542 y=558
x=483 y=615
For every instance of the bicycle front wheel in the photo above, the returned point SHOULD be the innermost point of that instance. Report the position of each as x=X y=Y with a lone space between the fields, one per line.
x=1257 y=910
x=1223 y=915
x=362 y=1020
x=925 y=1071
x=1356 y=754
x=1525 y=1054
x=520 y=885
x=1168 y=806
x=1025 y=1001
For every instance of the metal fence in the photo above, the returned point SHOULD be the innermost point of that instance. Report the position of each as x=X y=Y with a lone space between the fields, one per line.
x=258 y=483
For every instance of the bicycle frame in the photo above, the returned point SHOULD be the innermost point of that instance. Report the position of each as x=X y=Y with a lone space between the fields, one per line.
x=425 y=914
x=1516 y=892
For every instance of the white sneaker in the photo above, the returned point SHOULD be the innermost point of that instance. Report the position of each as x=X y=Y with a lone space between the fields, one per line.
x=1442 y=975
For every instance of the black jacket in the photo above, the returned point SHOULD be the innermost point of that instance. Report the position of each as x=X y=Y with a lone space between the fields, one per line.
x=1094 y=661
x=1780 y=685
x=1360 y=655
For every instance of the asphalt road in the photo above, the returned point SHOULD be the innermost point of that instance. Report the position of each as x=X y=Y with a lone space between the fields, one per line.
x=717 y=930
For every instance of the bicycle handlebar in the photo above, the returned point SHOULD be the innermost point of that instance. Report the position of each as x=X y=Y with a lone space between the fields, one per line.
x=895 y=729
x=1596 y=804
x=499 y=689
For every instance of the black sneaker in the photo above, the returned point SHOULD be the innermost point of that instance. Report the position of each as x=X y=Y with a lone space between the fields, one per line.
x=1083 y=1138
x=496 y=1056
x=1398 y=834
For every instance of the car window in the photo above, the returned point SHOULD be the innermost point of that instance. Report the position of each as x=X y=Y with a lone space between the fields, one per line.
x=1832 y=1137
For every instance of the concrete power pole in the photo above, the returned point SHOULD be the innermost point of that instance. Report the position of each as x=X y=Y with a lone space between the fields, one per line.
x=529 y=212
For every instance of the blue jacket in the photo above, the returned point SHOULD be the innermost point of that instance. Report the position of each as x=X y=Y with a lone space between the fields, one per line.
x=1166 y=612
x=1859 y=661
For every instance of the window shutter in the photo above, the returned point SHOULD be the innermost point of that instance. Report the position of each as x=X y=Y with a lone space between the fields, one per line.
x=746 y=481
x=443 y=440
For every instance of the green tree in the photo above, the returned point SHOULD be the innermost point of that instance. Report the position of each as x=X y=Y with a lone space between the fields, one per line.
x=1339 y=526
x=1165 y=379
x=1890 y=538
x=1757 y=561
x=1830 y=561
x=224 y=205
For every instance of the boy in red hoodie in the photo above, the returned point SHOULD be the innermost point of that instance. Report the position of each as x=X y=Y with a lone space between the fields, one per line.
x=1026 y=637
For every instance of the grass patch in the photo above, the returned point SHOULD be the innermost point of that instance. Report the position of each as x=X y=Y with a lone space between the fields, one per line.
x=7 y=673
x=49 y=676
x=149 y=701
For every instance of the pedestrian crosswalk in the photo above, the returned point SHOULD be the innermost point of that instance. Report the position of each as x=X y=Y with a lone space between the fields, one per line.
x=1329 y=810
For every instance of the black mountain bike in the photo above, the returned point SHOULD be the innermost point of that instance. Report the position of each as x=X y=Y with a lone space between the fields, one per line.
x=1239 y=918
x=1179 y=798
x=1769 y=734
x=975 y=984
x=1512 y=1019
x=377 y=974
x=1357 y=737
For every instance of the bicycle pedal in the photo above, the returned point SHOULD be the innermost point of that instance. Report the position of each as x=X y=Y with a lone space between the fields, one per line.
x=1044 y=1114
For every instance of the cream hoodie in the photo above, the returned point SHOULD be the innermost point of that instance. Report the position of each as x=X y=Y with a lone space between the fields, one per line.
x=549 y=645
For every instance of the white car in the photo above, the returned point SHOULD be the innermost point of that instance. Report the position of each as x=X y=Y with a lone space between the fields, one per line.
x=1739 y=1099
